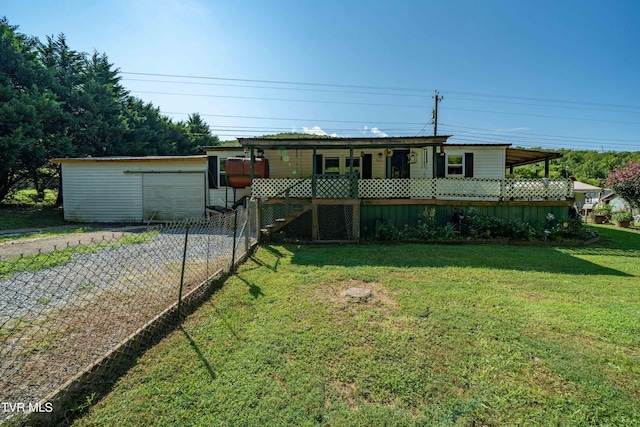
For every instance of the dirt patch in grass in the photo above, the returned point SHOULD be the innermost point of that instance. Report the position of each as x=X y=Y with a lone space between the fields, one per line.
x=334 y=294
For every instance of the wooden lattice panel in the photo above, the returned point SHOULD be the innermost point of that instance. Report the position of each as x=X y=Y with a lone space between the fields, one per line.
x=263 y=187
x=422 y=188
x=418 y=188
x=537 y=189
x=384 y=188
x=334 y=188
x=476 y=188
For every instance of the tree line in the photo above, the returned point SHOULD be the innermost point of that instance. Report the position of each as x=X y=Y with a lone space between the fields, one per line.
x=588 y=166
x=57 y=102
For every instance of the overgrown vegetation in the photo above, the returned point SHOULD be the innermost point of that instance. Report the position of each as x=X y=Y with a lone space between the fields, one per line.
x=467 y=226
x=453 y=335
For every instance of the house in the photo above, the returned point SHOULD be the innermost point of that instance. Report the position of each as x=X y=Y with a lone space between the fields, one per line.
x=585 y=196
x=328 y=189
x=337 y=189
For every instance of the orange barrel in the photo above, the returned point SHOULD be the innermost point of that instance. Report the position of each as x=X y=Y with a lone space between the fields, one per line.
x=238 y=171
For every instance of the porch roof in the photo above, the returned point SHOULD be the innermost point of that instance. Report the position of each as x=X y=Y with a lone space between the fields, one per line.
x=324 y=143
x=521 y=156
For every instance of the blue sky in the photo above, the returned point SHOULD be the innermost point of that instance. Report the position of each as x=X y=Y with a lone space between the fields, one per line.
x=556 y=74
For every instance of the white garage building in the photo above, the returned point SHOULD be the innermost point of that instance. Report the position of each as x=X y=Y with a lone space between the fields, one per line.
x=133 y=189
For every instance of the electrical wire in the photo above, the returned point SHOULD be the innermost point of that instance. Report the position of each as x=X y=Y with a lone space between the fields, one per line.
x=282 y=99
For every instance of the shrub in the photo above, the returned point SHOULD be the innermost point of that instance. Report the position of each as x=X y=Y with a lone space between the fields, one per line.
x=625 y=182
x=622 y=216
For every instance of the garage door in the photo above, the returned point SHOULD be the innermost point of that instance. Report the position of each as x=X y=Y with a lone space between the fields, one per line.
x=173 y=196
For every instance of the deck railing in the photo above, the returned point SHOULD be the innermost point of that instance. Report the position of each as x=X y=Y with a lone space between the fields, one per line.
x=417 y=188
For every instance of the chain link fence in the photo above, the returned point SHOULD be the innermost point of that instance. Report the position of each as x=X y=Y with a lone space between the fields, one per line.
x=71 y=318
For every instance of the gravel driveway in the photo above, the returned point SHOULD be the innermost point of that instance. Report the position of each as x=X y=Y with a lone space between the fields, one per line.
x=18 y=247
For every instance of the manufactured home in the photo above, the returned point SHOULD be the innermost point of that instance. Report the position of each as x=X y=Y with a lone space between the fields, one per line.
x=349 y=184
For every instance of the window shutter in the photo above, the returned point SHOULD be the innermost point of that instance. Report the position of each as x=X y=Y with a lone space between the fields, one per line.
x=468 y=165
x=318 y=164
x=440 y=165
x=213 y=171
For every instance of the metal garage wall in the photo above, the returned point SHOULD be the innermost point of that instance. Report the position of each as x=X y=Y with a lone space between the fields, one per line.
x=112 y=189
x=101 y=193
x=171 y=196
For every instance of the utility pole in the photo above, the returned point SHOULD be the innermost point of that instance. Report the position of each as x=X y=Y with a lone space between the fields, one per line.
x=434 y=163
x=437 y=98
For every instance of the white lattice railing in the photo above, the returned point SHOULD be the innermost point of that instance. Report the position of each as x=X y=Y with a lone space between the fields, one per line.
x=427 y=188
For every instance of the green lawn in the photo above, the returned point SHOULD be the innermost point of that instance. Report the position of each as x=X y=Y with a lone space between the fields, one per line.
x=477 y=335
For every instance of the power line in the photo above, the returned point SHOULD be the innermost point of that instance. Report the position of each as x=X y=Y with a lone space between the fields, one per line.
x=404 y=89
x=573 y=107
x=253 y=98
x=579 y=138
x=543 y=115
x=380 y=122
x=599 y=108
x=279 y=82
x=279 y=88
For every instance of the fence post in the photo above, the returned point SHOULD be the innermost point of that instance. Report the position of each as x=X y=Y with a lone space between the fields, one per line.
x=184 y=261
x=235 y=234
x=247 y=227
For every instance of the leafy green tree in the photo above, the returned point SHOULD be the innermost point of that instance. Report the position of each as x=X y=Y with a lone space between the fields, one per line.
x=199 y=135
x=29 y=110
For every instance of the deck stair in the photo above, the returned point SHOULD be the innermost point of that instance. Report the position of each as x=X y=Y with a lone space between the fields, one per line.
x=281 y=222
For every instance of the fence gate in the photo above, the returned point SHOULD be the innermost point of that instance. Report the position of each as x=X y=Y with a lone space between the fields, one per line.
x=336 y=220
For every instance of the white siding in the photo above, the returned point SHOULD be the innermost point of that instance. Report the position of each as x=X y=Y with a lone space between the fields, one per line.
x=94 y=192
x=224 y=195
x=488 y=162
x=173 y=196
x=101 y=191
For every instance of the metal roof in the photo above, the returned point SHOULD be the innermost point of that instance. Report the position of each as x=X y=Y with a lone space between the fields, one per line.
x=521 y=156
x=130 y=159
x=388 y=142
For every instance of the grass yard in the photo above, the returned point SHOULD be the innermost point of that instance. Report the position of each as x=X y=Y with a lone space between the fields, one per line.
x=478 y=335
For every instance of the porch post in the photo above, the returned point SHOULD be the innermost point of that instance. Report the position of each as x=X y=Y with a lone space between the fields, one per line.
x=546 y=168
x=253 y=160
x=314 y=170
x=350 y=160
x=434 y=164
x=388 y=164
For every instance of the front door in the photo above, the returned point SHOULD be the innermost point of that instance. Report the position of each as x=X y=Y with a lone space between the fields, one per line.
x=400 y=164
x=367 y=166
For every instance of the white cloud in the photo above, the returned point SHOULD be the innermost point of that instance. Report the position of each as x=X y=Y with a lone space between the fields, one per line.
x=378 y=132
x=316 y=130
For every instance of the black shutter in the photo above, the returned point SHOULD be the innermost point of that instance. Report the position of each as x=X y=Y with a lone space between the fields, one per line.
x=319 y=164
x=213 y=171
x=440 y=165
x=468 y=165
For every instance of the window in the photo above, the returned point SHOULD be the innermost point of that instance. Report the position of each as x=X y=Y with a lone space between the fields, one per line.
x=223 y=172
x=454 y=164
x=356 y=165
x=213 y=171
x=332 y=166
